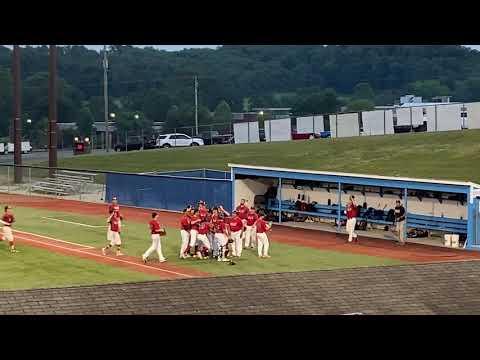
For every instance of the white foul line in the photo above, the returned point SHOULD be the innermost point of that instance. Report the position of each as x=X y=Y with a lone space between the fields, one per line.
x=74 y=223
x=58 y=240
x=103 y=257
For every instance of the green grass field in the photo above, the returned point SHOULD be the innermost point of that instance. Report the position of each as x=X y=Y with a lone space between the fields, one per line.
x=34 y=268
x=449 y=155
x=38 y=268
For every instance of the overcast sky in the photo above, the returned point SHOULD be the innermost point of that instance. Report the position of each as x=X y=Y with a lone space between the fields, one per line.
x=180 y=47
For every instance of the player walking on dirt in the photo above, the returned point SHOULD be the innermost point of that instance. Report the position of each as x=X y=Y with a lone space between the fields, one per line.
x=7 y=235
x=113 y=234
x=156 y=231
x=114 y=207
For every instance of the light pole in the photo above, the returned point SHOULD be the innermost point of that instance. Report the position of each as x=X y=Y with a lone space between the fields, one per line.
x=107 y=132
x=196 y=105
x=136 y=116
x=105 y=94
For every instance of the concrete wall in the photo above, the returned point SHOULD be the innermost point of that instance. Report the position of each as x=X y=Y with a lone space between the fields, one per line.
x=281 y=130
x=347 y=125
x=373 y=122
x=473 y=111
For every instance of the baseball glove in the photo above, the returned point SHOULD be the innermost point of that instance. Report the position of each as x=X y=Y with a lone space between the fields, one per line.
x=163 y=232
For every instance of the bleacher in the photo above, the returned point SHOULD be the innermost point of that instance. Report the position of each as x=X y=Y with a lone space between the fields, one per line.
x=432 y=223
x=64 y=183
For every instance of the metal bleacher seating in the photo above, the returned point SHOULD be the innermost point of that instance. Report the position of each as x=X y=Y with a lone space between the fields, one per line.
x=64 y=182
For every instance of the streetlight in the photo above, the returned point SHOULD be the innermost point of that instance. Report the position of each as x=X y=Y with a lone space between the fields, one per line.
x=136 y=116
x=112 y=115
x=29 y=121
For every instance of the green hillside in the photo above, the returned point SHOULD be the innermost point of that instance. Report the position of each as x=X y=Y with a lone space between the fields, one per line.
x=450 y=155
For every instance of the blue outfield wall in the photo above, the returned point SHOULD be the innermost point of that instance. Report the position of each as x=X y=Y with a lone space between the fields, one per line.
x=167 y=192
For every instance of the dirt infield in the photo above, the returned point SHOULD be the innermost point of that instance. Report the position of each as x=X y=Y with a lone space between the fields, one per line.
x=299 y=237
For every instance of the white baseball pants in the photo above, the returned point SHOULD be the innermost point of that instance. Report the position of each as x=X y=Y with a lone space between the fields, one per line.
x=350 y=227
x=237 y=243
x=202 y=238
x=263 y=244
x=221 y=242
x=185 y=240
x=250 y=236
x=193 y=237
x=156 y=246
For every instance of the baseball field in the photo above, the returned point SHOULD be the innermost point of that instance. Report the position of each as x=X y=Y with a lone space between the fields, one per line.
x=60 y=241
x=60 y=244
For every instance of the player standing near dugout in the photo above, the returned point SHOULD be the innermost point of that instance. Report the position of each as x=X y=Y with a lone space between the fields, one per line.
x=242 y=212
x=235 y=223
x=400 y=222
x=351 y=212
x=262 y=238
x=156 y=231
x=7 y=235
x=250 y=229
x=221 y=238
x=113 y=234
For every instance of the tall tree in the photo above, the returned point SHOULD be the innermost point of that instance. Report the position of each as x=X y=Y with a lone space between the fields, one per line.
x=223 y=113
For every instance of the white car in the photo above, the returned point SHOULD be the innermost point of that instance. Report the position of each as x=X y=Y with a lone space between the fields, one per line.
x=176 y=140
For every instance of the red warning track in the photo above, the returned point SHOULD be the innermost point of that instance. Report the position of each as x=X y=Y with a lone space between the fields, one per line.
x=293 y=236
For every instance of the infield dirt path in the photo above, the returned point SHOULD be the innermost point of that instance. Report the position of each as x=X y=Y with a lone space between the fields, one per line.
x=293 y=236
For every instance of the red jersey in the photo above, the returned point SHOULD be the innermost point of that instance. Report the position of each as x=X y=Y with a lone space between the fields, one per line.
x=185 y=223
x=220 y=227
x=194 y=222
x=242 y=211
x=261 y=226
x=251 y=218
x=9 y=219
x=114 y=223
x=203 y=214
x=154 y=227
x=351 y=211
x=203 y=228
x=235 y=223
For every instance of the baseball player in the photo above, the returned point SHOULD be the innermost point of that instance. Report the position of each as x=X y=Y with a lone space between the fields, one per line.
x=156 y=231
x=242 y=212
x=185 y=226
x=221 y=239
x=351 y=212
x=235 y=224
x=203 y=230
x=113 y=234
x=194 y=222
x=262 y=238
x=115 y=208
x=7 y=220
x=202 y=210
x=250 y=233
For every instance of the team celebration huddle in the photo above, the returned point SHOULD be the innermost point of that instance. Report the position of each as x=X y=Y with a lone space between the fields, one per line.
x=215 y=233
x=205 y=233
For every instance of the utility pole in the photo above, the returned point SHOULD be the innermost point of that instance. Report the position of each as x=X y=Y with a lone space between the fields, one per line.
x=52 y=110
x=17 y=115
x=196 y=105
x=105 y=95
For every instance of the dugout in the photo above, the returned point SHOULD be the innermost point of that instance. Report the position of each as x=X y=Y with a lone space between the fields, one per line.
x=440 y=207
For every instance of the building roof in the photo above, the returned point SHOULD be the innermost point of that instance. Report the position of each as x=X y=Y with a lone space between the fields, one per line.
x=381 y=179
